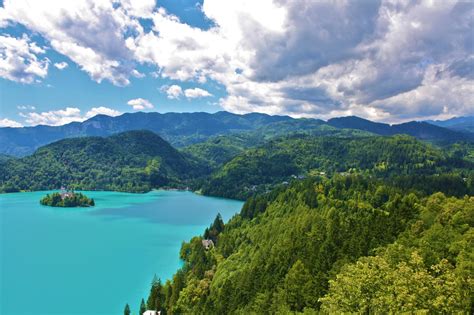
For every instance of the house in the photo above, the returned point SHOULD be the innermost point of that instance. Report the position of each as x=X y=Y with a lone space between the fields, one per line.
x=149 y=312
x=66 y=193
x=207 y=244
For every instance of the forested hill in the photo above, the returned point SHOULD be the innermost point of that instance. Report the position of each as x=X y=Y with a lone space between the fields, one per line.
x=342 y=245
x=182 y=129
x=281 y=160
x=419 y=130
x=237 y=166
x=177 y=128
x=129 y=161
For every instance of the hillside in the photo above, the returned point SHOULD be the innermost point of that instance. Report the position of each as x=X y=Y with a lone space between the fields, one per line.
x=179 y=129
x=345 y=245
x=456 y=123
x=281 y=160
x=184 y=129
x=220 y=149
x=130 y=161
x=419 y=130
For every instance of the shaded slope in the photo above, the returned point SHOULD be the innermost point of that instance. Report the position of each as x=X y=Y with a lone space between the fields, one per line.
x=420 y=130
x=131 y=161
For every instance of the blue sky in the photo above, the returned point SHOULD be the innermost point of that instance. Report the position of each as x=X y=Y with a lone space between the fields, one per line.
x=71 y=87
x=63 y=61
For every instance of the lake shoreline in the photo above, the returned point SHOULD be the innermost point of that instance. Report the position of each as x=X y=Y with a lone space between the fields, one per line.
x=118 y=245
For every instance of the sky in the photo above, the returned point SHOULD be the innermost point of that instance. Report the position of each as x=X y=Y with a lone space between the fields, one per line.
x=388 y=60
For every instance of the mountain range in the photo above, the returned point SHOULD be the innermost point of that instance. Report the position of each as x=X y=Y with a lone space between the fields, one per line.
x=182 y=129
x=456 y=123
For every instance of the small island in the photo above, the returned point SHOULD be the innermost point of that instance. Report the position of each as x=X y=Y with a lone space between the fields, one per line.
x=67 y=199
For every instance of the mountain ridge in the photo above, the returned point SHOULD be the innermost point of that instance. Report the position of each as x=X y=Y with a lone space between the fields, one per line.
x=421 y=130
x=182 y=129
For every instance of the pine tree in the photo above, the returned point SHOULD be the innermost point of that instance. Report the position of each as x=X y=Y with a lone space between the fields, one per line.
x=126 y=311
x=142 y=307
x=218 y=224
x=154 y=298
x=298 y=287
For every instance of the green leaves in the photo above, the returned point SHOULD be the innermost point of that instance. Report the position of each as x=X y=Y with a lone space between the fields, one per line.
x=349 y=243
x=134 y=161
x=72 y=200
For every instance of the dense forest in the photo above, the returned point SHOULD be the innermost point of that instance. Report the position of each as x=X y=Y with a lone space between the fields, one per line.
x=71 y=199
x=340 y=245
x=335 y=220
x=240 y=165
x=401 y=158
x=184 y=129
x=133 y=161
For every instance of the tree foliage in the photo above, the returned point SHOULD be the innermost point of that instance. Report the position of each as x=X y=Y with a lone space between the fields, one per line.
x=398 y=158
x=71 y=200
x=134 y=161
x=346 y=244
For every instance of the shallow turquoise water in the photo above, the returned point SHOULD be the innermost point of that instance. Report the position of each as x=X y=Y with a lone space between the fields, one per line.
x=93 y=261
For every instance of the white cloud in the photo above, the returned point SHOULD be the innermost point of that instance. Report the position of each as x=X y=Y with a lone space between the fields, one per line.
x=101 y=110
x=65 y=116
x=19 y=61
x=139 y=8
x=61 y=65
x=196 y=92
x=91 y=33
x=173 y=92
x=26 y=107
x=298 y=58
x=140 y=104
x=303 y=58
x=9 y=123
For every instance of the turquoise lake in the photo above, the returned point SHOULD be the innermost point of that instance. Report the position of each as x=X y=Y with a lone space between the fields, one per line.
x=94 y=260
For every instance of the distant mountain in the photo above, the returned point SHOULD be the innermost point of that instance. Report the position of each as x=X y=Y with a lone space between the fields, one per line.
x=4 y=158
x=420 y=130
x=183 y=129
x=456 y=123
x=129 y=161
x=179 y=129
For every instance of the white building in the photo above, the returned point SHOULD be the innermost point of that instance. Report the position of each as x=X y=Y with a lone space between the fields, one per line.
x=152 y=312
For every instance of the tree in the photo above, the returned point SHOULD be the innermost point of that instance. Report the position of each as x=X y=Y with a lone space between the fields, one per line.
x=373 y=285
x=298 y=287
x=142 y=307
x=218 y=224
x=154 y=301
x=126 y=311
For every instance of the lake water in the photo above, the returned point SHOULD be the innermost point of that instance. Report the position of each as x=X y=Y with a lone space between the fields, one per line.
x=93 y=261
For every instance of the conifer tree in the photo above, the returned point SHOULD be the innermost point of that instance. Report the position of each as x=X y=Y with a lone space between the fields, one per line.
x=142 y=307
x=126 y=311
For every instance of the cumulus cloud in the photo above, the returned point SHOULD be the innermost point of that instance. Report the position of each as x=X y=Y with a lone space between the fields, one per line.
x=91 y=33
x=19 y=60
x=140 y=104
x=61 y=65
x=175 y=92
x=101 y=110
x=139 y=8
x=5 y=122
x=65 y=116
x=172 y=92
x=382 y=59
x=196 y=92
x=26 y=107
